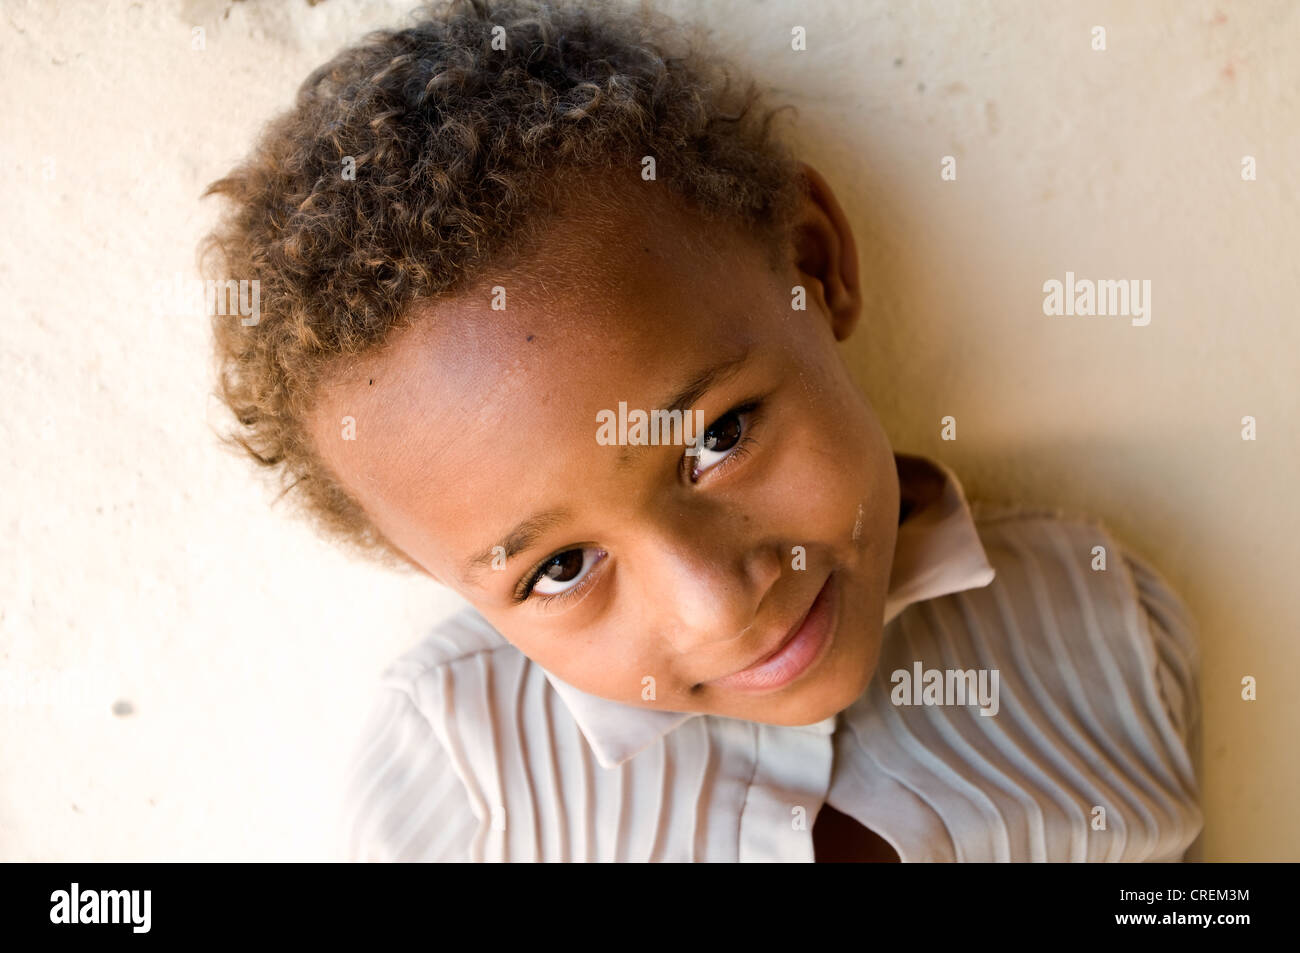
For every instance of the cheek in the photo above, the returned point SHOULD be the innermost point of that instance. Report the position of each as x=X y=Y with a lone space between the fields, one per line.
x=609 y=662
x=830 y=469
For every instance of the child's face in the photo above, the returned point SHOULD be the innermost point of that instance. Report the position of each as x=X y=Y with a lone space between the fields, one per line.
x=478 y=428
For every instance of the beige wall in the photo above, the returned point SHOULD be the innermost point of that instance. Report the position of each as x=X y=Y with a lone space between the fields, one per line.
x=143 y=566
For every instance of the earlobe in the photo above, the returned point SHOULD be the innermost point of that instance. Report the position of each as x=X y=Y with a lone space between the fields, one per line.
x=826 y=250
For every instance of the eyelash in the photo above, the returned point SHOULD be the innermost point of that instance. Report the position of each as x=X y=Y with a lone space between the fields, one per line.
x=526 y=590
x=742 y=449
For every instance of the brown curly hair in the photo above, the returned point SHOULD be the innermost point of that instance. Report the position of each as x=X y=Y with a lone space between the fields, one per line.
x=458 y=128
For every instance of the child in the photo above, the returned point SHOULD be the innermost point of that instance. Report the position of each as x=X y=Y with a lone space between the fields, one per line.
x=549 y=315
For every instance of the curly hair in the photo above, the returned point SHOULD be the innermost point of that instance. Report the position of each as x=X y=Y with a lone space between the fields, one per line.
x=455 y=131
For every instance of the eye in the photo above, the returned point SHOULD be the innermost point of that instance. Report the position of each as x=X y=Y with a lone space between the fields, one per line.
x=724 y=438
x=561 y=574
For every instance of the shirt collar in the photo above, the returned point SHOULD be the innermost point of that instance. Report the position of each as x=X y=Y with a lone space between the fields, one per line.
x=938 y=552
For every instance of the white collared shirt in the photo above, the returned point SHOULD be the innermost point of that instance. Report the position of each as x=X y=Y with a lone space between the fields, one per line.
x=473 y=752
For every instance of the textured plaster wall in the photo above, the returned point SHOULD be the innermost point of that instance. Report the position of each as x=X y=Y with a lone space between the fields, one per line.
x=182 y=668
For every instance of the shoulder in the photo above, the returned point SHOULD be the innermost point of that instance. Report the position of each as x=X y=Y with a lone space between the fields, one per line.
x=1056 y=537
x=1084 y=560
x=470 y=683
x=1097 y=660
x=1066 y=569
x=463 y=636
x=455 y=672
x=408 y=791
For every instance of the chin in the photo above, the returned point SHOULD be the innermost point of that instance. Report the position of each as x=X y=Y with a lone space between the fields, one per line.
x=842 y=692
x=846 y=678
x=836 y=681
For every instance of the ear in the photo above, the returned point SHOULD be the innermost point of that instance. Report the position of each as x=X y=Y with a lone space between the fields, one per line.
x=825 y=252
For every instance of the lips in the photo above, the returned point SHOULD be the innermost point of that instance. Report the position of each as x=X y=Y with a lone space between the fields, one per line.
x=802 y=646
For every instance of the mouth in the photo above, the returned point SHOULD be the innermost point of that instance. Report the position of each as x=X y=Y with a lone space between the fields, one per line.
x=801 y=647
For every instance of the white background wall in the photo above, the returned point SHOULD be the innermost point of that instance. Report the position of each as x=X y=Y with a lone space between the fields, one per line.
x=143 y=567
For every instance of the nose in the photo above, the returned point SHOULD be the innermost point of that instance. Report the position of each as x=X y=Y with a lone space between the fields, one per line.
x=711 y=581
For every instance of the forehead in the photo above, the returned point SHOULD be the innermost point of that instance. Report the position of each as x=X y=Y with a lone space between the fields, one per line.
x=474 y=413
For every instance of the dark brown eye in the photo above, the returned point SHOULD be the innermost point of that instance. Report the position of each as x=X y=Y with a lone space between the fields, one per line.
x=723 y=433
x=723 y=438
x=564 y=567
x=563 y=571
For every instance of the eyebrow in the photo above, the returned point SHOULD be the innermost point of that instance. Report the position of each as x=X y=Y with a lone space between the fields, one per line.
x=524 y=534
x=520 y=538
x=685 y=396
